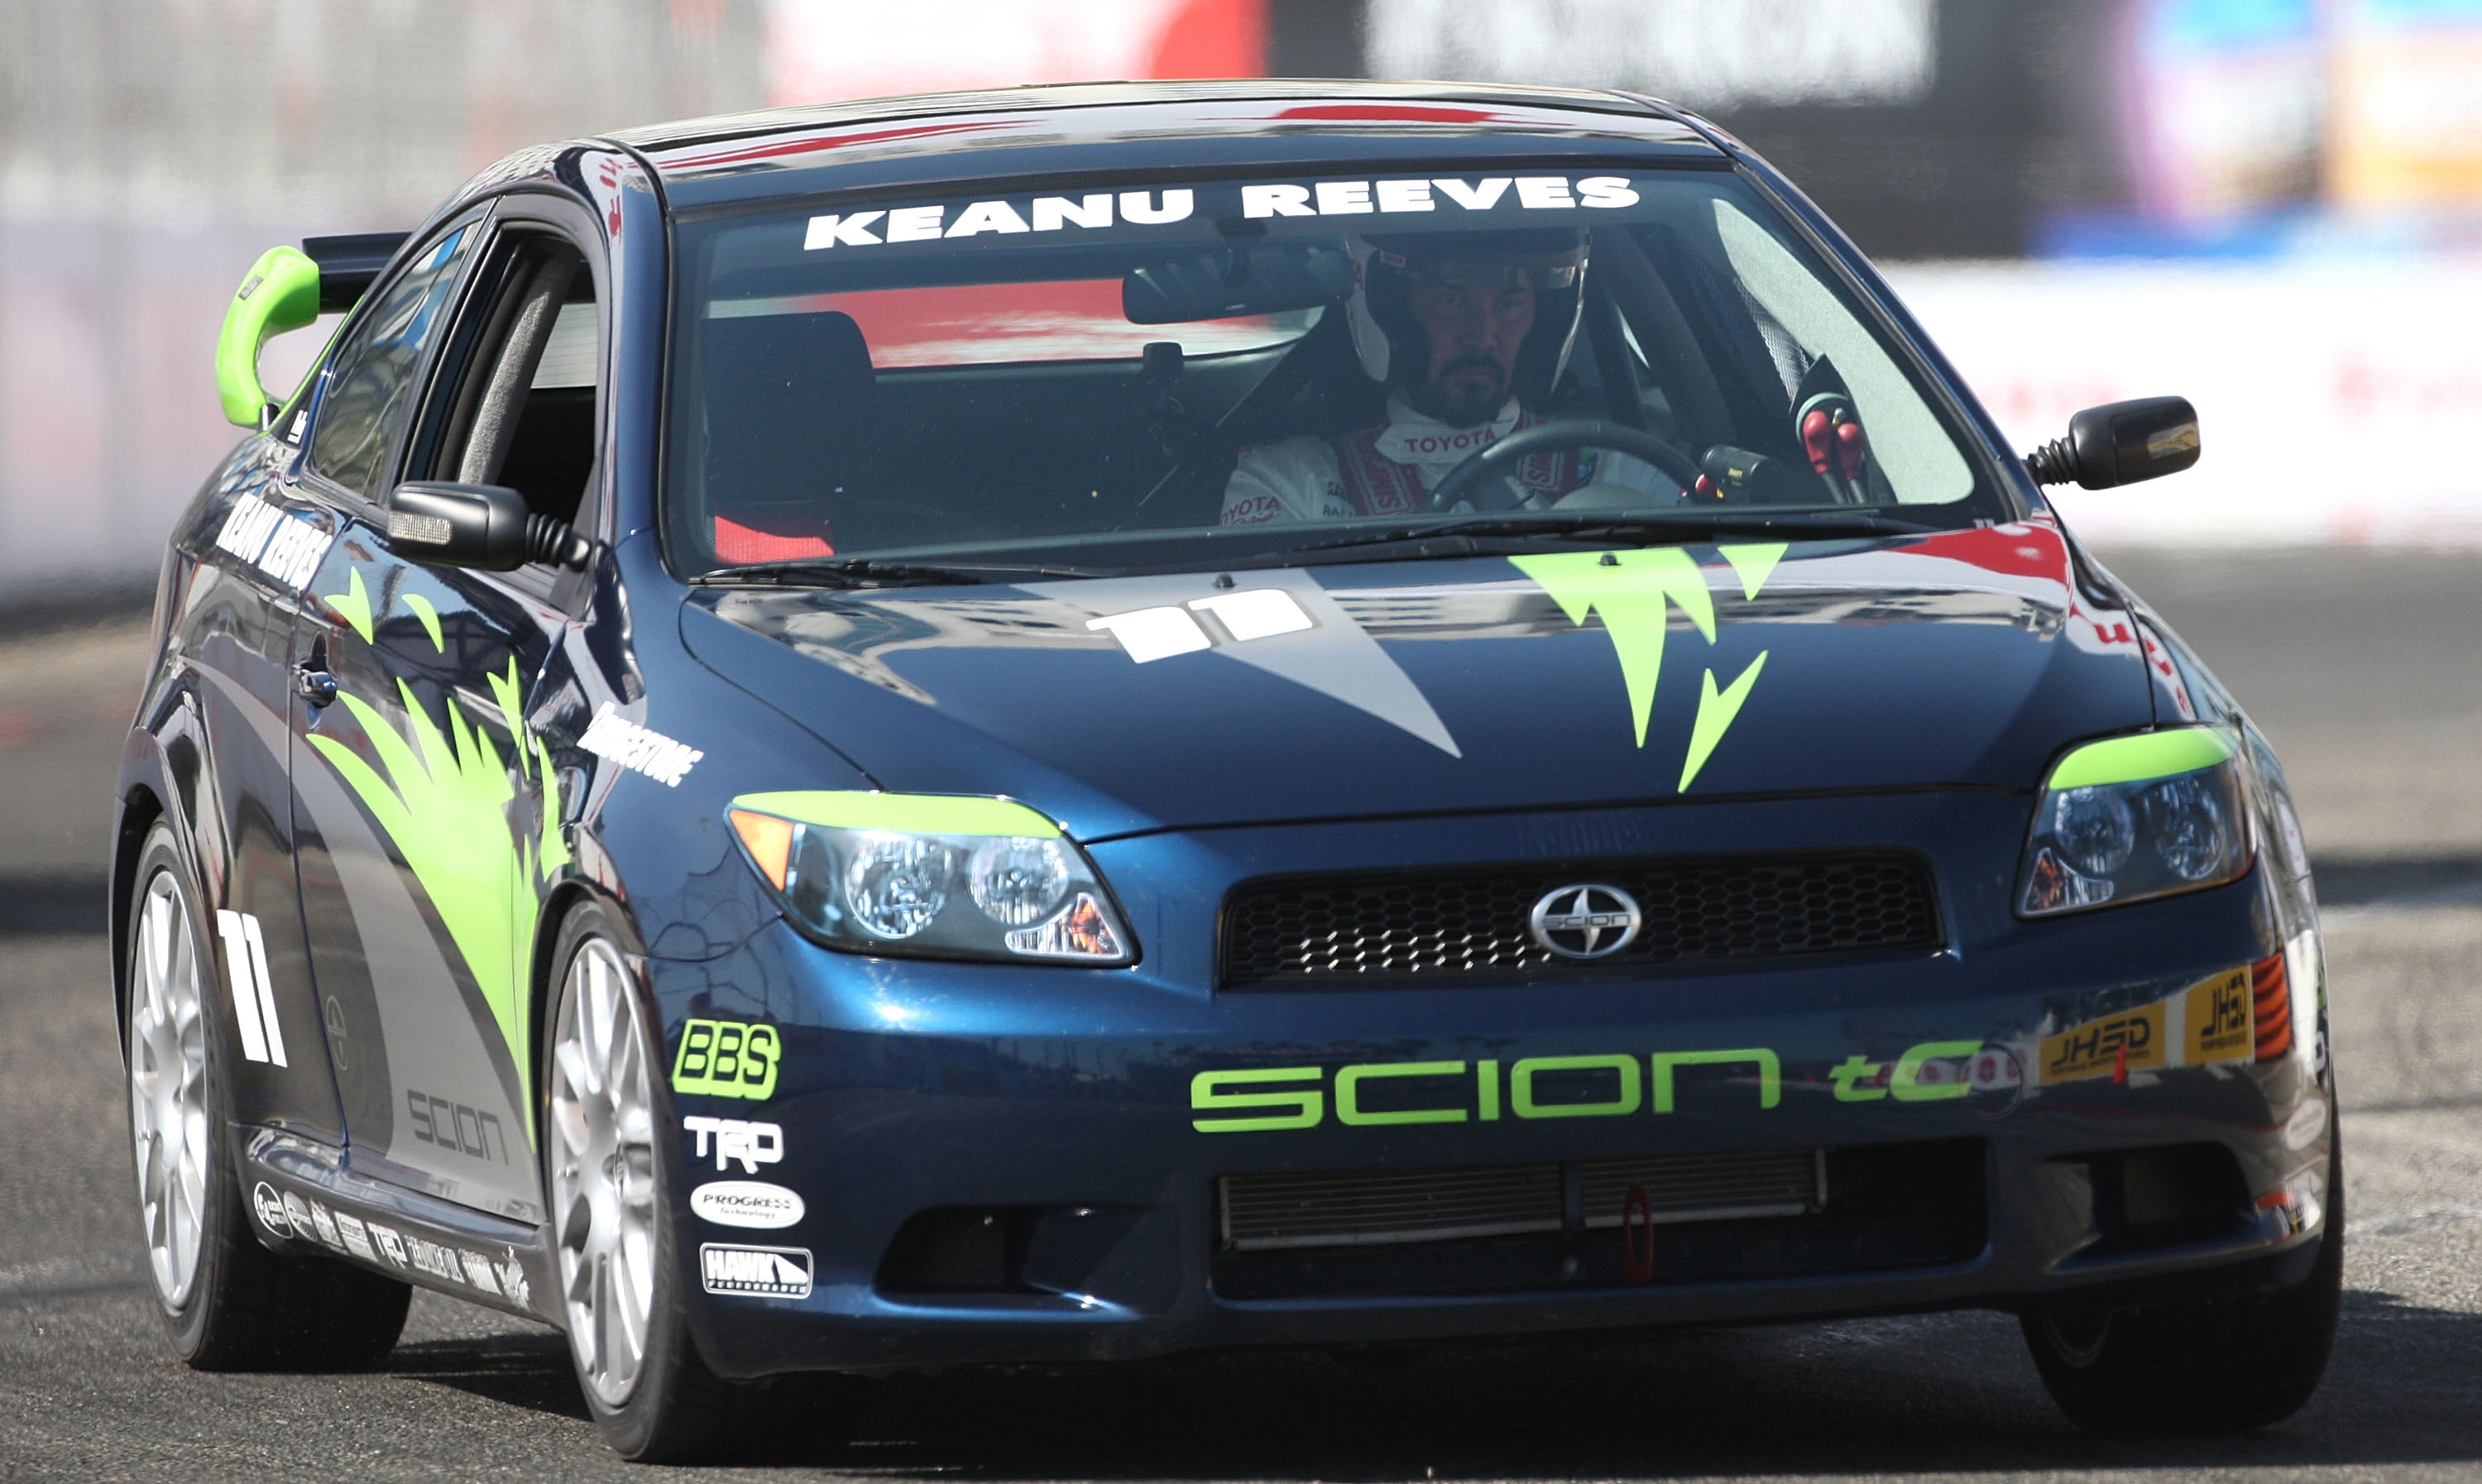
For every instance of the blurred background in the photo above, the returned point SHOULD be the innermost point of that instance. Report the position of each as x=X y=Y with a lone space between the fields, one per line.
x=2273 y=207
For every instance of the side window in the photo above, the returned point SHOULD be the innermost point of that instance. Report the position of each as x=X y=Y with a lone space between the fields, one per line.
x=519 y=407
x=373 y=373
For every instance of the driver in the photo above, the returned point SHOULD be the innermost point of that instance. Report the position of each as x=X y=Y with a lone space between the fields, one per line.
x=1463 y=330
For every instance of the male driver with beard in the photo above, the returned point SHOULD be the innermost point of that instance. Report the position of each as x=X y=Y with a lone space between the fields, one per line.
x=1463 y=329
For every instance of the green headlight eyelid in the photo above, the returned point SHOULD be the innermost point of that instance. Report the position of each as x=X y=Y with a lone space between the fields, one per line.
x=281 y=292
x=2145 y=756
x=918 y=813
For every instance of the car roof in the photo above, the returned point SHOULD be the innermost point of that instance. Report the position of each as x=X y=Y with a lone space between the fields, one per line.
x=1064 y=129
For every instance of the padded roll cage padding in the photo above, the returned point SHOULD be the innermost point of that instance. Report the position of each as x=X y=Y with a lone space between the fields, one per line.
x=504 y=396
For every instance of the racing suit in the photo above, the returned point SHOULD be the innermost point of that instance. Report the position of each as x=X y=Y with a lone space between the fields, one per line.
x=1390 y=468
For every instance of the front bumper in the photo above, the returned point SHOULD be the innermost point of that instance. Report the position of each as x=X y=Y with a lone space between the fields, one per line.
x=1001 y=1164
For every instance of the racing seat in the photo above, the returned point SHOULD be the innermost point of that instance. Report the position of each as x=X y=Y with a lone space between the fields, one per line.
x=788 y=430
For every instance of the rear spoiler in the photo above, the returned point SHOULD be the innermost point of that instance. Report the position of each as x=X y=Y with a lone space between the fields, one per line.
x=285 y=290
x=347 y=265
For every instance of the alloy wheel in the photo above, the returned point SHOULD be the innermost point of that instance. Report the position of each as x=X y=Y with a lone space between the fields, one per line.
x=603 y=1171
x=167 y=1088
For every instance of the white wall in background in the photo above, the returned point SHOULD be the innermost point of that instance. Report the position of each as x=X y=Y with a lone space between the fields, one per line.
x=2337 y=403
x=1699 y=52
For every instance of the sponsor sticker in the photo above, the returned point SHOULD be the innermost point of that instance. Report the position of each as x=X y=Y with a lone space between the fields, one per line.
x=390 y=1243
x=727 y=1059
x=639 y=749
x=746 y=1203
x=326 y=1226
x=357 y=1238
x=478 y=1272
x=750 y=1143
x=269 y=1207
x=431 y=1258
x=2131 y=1040
x=2217 y=1013
x=297 y=1215
x=763 y=1272
x=513 y=1280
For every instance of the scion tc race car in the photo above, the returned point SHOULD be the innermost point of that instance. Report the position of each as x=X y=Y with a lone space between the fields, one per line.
x=1087 y=723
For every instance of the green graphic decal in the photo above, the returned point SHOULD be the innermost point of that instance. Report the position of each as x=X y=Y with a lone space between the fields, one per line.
x=1754 y=563
x=1634 y=592
x=2135 y=759
x=924 y=814
x=727 y=1059
x=429 y=616
x=1597 y=1085
x=354 y=604
x=1715 y=713
x=447 y=809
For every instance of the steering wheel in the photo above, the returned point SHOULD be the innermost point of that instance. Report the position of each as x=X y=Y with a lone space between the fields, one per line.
x=1563 y=434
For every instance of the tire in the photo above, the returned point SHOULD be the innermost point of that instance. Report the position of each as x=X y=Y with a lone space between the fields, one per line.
x=2213 y=1366
x=610 y=1174
x=227 y=1302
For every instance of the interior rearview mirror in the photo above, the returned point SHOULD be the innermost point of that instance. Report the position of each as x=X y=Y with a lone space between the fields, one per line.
x=1247 y=276
x=2120 y=444
x=487 y=527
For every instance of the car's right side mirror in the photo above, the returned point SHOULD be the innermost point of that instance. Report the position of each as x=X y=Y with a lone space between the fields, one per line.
x=2120 y=444
x=482 y=526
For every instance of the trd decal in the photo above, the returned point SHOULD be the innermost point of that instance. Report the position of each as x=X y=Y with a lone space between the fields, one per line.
x=456 y=1127
x=752 y=1144
x=253 y=996
x=727 y=1059
x=1634 y=592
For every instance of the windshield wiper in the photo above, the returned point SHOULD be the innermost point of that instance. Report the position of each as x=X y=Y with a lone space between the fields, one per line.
x=868 y=572
x=1643 y=529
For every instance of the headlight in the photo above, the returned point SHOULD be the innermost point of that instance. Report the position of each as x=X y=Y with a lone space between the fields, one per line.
x=934 y=875
x=2133 y=817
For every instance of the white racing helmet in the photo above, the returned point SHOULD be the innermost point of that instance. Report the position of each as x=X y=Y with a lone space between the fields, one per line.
x=1393 y=348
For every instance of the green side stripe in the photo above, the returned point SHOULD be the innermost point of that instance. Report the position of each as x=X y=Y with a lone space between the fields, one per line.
x=281 y=292
x=925 y=814
x=2136 y=759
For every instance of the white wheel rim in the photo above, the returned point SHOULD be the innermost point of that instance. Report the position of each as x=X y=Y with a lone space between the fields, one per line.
x=603 y=1171
x=167 y=1088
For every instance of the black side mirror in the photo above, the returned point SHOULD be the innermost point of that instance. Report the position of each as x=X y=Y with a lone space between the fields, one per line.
x=482 y=526
x=2120 y=444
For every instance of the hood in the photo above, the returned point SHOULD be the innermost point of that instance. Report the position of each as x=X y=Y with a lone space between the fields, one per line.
x=1119 y=705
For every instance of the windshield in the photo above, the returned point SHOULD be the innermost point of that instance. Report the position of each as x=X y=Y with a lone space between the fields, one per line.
x=1236 y=372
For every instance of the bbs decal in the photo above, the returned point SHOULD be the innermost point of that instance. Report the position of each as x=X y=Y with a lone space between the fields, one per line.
x=727 y=1059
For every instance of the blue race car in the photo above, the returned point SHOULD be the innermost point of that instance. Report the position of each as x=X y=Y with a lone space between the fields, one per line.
x=1093 y=722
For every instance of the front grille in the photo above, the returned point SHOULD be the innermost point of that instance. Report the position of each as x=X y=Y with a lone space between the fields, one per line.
x=1772 y=1214
x=1369 y=1208
x=1458 y=922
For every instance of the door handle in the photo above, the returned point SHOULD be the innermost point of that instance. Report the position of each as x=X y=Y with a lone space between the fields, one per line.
x=315 y=686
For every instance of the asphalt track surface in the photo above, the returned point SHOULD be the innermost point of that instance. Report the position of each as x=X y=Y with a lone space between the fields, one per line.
x=2361 y=668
